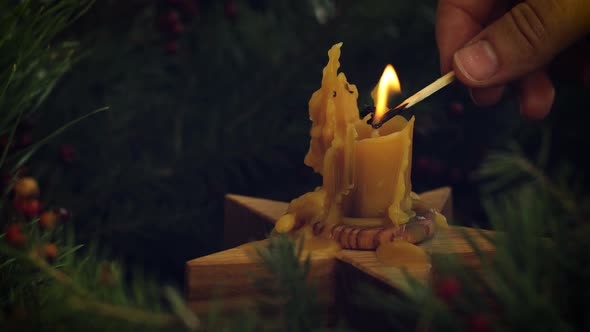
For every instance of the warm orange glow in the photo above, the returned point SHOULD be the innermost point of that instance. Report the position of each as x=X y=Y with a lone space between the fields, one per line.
x=389 y=83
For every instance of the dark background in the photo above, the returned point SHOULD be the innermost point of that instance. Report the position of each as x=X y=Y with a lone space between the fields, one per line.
x=210 y=97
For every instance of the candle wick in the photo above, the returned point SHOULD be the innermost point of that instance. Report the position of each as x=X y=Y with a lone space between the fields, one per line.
x=386 y=117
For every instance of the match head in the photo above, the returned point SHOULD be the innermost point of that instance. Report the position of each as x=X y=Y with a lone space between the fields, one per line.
x=386 y=117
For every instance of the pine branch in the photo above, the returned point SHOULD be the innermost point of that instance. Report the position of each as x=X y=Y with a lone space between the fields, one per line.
x=288 y=286
x=503 y=170
x=56 y=274
x=126 y=314
x=82 y=300
x=566 y=198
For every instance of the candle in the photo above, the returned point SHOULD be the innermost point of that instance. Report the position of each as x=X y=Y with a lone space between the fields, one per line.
x=382 y=163
x=365 y=198
x=382 y=174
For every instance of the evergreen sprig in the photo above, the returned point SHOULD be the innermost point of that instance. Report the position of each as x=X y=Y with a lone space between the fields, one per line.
x=505 y=170
x=536 y=278
x=287 y=287
x=80 y=290
x=64 y=287
x=31 y=66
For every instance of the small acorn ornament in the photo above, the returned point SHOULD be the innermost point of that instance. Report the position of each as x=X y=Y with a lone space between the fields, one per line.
x=26 y=187
x=48 y=220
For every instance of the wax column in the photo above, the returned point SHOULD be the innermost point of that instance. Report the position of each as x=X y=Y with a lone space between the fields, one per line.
x=382 y=174
x=334 y=112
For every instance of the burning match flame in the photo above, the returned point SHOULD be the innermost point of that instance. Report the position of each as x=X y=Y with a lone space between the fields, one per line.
x=389 y=83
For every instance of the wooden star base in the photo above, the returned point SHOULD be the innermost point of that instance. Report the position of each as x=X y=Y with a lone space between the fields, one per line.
x=227 y=275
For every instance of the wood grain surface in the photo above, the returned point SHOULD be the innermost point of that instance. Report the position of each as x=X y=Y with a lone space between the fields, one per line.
x=227 y=275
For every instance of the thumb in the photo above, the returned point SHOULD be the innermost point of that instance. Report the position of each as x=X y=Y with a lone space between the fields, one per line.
x=525 y=39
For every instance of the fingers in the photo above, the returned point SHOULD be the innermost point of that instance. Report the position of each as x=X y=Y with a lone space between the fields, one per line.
x=523 y=40
x=536 y=95
x=457 y=22
x=513 y=46
x=487 y=96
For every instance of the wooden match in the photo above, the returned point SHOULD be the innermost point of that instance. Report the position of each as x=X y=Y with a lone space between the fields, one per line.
x=428 y=90
x=414 y=99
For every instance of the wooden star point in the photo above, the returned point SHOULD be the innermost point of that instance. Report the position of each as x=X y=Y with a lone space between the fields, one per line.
x=227 y=276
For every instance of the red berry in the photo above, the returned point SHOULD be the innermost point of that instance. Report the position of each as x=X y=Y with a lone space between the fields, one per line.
x=50 y=251
x=457 y=108
x=171 y=47
x=423 y=164
x=25 y=140
x=190 y=8
x=447 y=288
x=67 y=153
x=177 y=28
x=168 y=19
x=14 y=235
x=479 y=323
x=63 y=214
x=28 y=207
x=231 y=10
x=172 y=17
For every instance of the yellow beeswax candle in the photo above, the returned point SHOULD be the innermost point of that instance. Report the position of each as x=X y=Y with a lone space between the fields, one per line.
x=382 y=174
x=366 y=173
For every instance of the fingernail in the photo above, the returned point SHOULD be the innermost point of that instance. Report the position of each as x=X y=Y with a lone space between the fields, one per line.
x=478 y=62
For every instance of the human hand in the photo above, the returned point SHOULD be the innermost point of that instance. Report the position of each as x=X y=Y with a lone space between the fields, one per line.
x=492 y=42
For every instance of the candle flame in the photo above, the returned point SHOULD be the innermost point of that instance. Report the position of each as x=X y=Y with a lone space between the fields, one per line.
x=389 y=83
